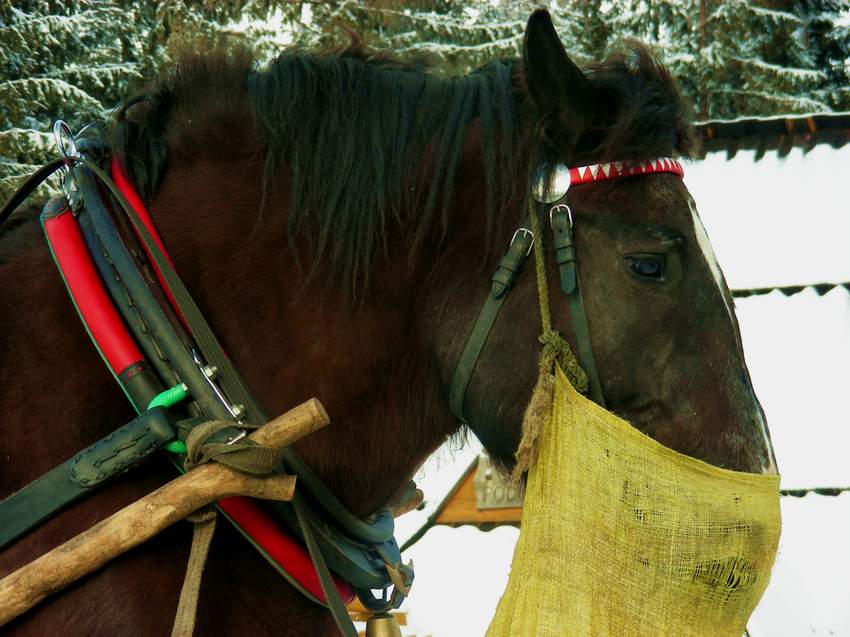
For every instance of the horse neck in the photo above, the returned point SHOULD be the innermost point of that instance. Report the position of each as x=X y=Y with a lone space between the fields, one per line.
x=371 y=362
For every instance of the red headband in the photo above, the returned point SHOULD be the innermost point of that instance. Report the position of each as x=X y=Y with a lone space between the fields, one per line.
x=561 y=177
x=610 y=170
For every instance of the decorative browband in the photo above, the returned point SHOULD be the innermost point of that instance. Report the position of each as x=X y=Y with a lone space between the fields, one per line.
x=598 y=172
x=562 y=177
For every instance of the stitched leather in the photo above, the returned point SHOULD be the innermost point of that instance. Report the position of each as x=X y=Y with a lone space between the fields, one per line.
x=122 y=448
x=45 y=496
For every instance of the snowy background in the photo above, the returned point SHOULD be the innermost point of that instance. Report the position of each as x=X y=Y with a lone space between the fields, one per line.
x=772 y=222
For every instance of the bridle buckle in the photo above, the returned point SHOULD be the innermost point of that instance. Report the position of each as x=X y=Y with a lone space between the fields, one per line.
x=558 y=207
x=524 y=232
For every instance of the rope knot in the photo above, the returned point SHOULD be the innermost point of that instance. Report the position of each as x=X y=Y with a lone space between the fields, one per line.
x=557 y=350
x=244 y=455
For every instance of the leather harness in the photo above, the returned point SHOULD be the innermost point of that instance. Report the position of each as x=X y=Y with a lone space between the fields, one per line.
x=151 y=335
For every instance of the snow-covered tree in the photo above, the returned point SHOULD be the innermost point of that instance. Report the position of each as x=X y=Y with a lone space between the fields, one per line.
x=57 y=60
x=75 y=60
x=756 y=61
x=826 y=34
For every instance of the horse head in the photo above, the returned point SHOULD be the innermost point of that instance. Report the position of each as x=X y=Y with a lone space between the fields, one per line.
x=661 y=317
x=407 y=186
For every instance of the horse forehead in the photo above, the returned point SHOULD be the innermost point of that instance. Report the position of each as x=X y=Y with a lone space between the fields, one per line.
x=708 y=254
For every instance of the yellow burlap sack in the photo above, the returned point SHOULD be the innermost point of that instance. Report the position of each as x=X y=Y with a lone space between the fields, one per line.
x=622 y=536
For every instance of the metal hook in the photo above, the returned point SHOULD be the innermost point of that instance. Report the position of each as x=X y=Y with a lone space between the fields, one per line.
x=237 y=411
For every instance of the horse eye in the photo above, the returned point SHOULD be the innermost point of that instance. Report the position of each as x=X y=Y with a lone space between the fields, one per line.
x=648 y=266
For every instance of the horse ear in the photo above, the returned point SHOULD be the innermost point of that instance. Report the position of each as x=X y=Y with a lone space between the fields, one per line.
x=557 y=86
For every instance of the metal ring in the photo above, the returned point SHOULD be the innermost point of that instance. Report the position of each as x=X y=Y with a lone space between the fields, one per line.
x=561 y=205
x=524 y=231
x=65 y=140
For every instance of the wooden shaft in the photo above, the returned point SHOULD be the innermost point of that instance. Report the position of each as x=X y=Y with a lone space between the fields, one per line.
x=141 y=520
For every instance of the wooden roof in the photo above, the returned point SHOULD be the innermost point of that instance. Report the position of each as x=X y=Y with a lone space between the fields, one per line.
x=780 y=133
x=460 y=506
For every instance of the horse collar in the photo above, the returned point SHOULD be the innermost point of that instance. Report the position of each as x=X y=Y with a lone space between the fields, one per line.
x=172 y=342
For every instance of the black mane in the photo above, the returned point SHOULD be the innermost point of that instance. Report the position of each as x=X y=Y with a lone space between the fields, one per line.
x=372 y=141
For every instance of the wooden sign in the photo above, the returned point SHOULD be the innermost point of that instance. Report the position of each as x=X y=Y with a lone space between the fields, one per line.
x=460 y=506
x=492 y=491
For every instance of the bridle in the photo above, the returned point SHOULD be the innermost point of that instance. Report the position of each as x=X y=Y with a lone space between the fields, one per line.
x=548 y=192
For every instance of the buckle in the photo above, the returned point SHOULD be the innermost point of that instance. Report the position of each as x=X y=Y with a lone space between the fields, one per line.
x=558 y=208
x=525 y=232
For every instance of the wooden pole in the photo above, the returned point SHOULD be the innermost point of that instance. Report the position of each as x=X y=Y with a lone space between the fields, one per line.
x=141 y=520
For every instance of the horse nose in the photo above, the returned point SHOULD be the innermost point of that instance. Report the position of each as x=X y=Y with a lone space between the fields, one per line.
x=769 y=466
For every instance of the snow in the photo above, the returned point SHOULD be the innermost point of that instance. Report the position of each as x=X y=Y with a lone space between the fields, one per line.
x=757 y=62
x=774 y=14
x=274 y=33
x=776 y=221
x=766 y=118
x=774 y=98
x=436 y=47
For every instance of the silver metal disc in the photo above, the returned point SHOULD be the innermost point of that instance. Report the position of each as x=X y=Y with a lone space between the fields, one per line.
x=559 y=183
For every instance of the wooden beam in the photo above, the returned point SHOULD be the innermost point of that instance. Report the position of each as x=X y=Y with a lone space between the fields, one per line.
x=143 y=519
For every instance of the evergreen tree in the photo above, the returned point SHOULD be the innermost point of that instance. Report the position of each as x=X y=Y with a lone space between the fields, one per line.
x=755 y=63
x=57 y=60
x=672 y=29
x=75 y=60
x=826 y=34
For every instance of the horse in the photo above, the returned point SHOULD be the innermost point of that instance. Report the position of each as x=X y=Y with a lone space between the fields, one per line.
x=335 y=216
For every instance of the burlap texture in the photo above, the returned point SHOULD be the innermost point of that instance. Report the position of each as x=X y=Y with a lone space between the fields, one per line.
x=622 y=536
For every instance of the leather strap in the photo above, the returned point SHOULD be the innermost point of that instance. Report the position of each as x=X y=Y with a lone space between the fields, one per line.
x=503 y=278
x=322 y=497
x=29 y=186
x=234 y=385
x=155 y=320
x=109 y=456
x=101 y=232
x=565 y=257
x=335 y=605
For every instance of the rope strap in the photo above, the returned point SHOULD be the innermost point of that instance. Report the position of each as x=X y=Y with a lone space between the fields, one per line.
x=555 y=350
x=187 y=608
x=241 y=455
x=244 y=455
